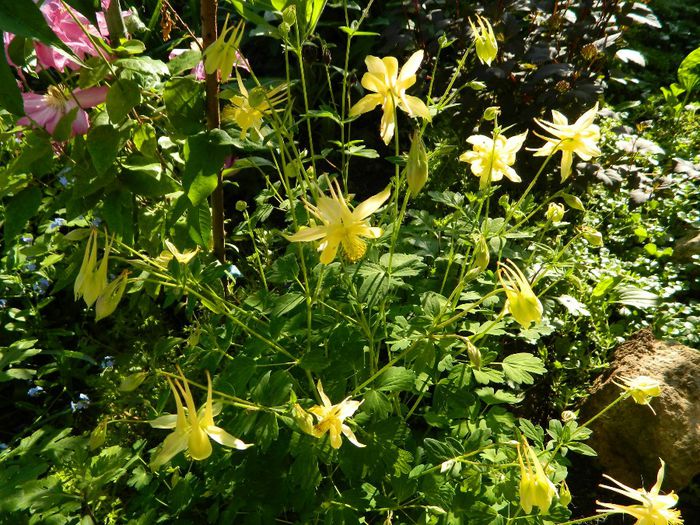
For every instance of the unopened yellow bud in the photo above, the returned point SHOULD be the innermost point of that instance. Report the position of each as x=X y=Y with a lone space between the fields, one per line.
x=492 y=112
x=564 y=494
x=417 y=165
x=593 y=236
x=98 y=436
x=482 y=257
x=132 y=382
x=555 y=212
x=474 y=355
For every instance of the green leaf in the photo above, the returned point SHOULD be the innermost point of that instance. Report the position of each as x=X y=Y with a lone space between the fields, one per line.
x=103 y=143
x=519 y=367
x=287 y=303
x=581 y=448
x=184 y=104
x=199 y=224
x=122 y=97
x=636 y=297
x=354 y=32
x=402 y=264
x=573 y=305
x=689 y=70
x=10 y=97
x=23 y=18
x=396 y=379
x=185 y=61
x=487 y=395
x=205 y=153
x=18 y=211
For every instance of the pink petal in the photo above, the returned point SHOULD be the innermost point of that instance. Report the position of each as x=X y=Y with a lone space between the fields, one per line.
x=91 y=97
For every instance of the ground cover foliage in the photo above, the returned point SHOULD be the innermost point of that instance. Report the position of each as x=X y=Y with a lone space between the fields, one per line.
x=288 y=279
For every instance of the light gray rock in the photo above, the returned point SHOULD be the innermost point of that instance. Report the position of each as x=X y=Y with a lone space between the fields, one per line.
x=687 y=246
x=629 y=438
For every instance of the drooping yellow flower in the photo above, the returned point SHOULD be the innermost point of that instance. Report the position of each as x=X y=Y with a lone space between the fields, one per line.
x=521 y=301
x=655 y=508
x=641 y=388
x=223 y=53
x=341 y=226
x=249 y=108
x=484 y=40
x=389 y=86
x=536 y=490
x=193 y=428
x=492 y=158
x=330 y=418
x=581 y=138
x=109 y=299
x=92 y=279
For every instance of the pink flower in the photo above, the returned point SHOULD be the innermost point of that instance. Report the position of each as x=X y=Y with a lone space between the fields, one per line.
x=61 y=21
x=47 y=110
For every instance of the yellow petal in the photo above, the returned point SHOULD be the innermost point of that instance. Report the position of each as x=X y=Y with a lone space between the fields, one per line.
x=365 y=104
x=415 y=107
x=409 y=70
x=198 y=444
x=173 y=444
x=372 y=204
x=224 y=438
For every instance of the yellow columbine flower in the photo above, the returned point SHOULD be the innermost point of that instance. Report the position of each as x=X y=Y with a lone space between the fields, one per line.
x=581 y=138
x=109 y=299
x=341 y=226
x=536 y=490
x=655 y=508
x=330 y=419
x=521 y=302
x=92 y=279
x=492 y=158
x=641 y=388
x=223 y=53
x=248 y=109
x=193 y=428
x=484 y=40
x=389 y=86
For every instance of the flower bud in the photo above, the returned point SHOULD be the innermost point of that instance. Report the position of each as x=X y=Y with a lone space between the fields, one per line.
x=568 y=415
x=555 y=212
x=474 y=355
x=564 y=494
x=492 y=112
x=593 y=236
x=417 y=165
x=99 y=435
x=481 y=254
x=241 y=206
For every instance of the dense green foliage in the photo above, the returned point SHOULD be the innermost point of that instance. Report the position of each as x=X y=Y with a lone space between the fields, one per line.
x=442 y=362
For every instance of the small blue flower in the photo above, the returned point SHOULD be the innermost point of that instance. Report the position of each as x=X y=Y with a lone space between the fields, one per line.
x=82 y=403
x=3 y=446
x=57 y=223
x=3 y=303
x=41 y=286
x=107 y=362
x=233 y=272
x=35 y=391
x=30 y=267
x=96 y=221
x=27 y=239
x=63 y=181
